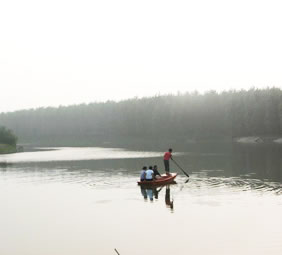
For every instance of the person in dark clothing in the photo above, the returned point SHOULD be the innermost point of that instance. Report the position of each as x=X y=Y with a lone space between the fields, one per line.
x=156 y=172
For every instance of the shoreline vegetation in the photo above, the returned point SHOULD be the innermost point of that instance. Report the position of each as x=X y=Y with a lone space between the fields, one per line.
x=246 y=117
x=7 y=149
x=8 y=141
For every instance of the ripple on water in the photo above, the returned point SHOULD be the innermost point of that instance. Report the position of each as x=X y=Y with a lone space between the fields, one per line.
x=126 y=179
x=237 y=184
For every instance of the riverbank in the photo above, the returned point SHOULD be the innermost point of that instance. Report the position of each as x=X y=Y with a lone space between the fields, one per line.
x=6 y=149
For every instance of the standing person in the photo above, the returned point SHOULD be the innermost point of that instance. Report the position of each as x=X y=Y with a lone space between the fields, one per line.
x=167 y=157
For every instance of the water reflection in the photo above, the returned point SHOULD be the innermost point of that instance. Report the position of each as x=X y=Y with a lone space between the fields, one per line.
x=75 y=154
x=234 y=199
x=262 y=162
x=243 y=168
x=152 y=193
x=4 y=164
x=168 y=200
x=239 y=183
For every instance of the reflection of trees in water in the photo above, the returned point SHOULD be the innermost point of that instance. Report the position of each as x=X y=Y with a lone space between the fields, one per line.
x=233 y=160
x=4 y=165
x=265 y=161
x=258 y=161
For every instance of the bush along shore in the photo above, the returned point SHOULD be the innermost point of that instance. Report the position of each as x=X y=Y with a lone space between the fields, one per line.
x=8 y=141
x=6 y=148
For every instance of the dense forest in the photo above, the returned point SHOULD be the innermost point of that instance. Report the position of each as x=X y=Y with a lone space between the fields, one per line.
x=7 y=136
x=186 y=116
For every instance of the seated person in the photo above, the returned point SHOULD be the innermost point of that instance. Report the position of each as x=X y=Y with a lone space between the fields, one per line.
x=156 y=172
x=149 y=174
x=143 y=174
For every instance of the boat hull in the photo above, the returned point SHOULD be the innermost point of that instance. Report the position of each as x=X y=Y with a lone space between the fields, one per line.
x=164 y=179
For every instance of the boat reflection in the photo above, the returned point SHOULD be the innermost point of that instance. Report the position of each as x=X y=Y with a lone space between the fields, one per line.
x=151 y=193
x=4 y=165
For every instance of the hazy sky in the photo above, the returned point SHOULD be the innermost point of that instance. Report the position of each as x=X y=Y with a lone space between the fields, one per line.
x=61 y=52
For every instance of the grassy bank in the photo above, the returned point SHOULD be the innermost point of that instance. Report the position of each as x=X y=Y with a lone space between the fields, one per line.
x=5 y=149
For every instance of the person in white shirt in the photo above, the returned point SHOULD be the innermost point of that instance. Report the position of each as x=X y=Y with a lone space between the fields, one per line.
x=149 y=174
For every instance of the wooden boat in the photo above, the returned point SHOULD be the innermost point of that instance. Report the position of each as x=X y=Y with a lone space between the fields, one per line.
x=164 y=179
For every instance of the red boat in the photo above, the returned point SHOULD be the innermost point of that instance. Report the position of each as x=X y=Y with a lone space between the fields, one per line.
x=164 y=179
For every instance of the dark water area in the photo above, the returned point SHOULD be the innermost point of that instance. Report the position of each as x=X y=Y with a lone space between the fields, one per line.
x=85 y=200
x=263 y=162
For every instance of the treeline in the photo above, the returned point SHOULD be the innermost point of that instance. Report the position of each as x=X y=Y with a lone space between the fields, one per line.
x=183 y=116
x=7 y=136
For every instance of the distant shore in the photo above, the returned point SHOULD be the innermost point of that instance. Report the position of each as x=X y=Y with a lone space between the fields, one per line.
x=182 y=144
x=258 y=140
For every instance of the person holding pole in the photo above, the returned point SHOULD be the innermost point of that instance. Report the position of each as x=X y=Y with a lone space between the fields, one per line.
x=167 y=157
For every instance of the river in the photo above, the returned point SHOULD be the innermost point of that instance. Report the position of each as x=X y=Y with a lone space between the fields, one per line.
x=72 y=201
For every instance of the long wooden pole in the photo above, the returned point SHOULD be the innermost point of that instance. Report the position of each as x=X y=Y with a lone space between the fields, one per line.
x=180 y=168
x=117 y=251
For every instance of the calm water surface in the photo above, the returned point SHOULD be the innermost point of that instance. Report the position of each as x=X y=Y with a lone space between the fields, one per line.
x=85 y=201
